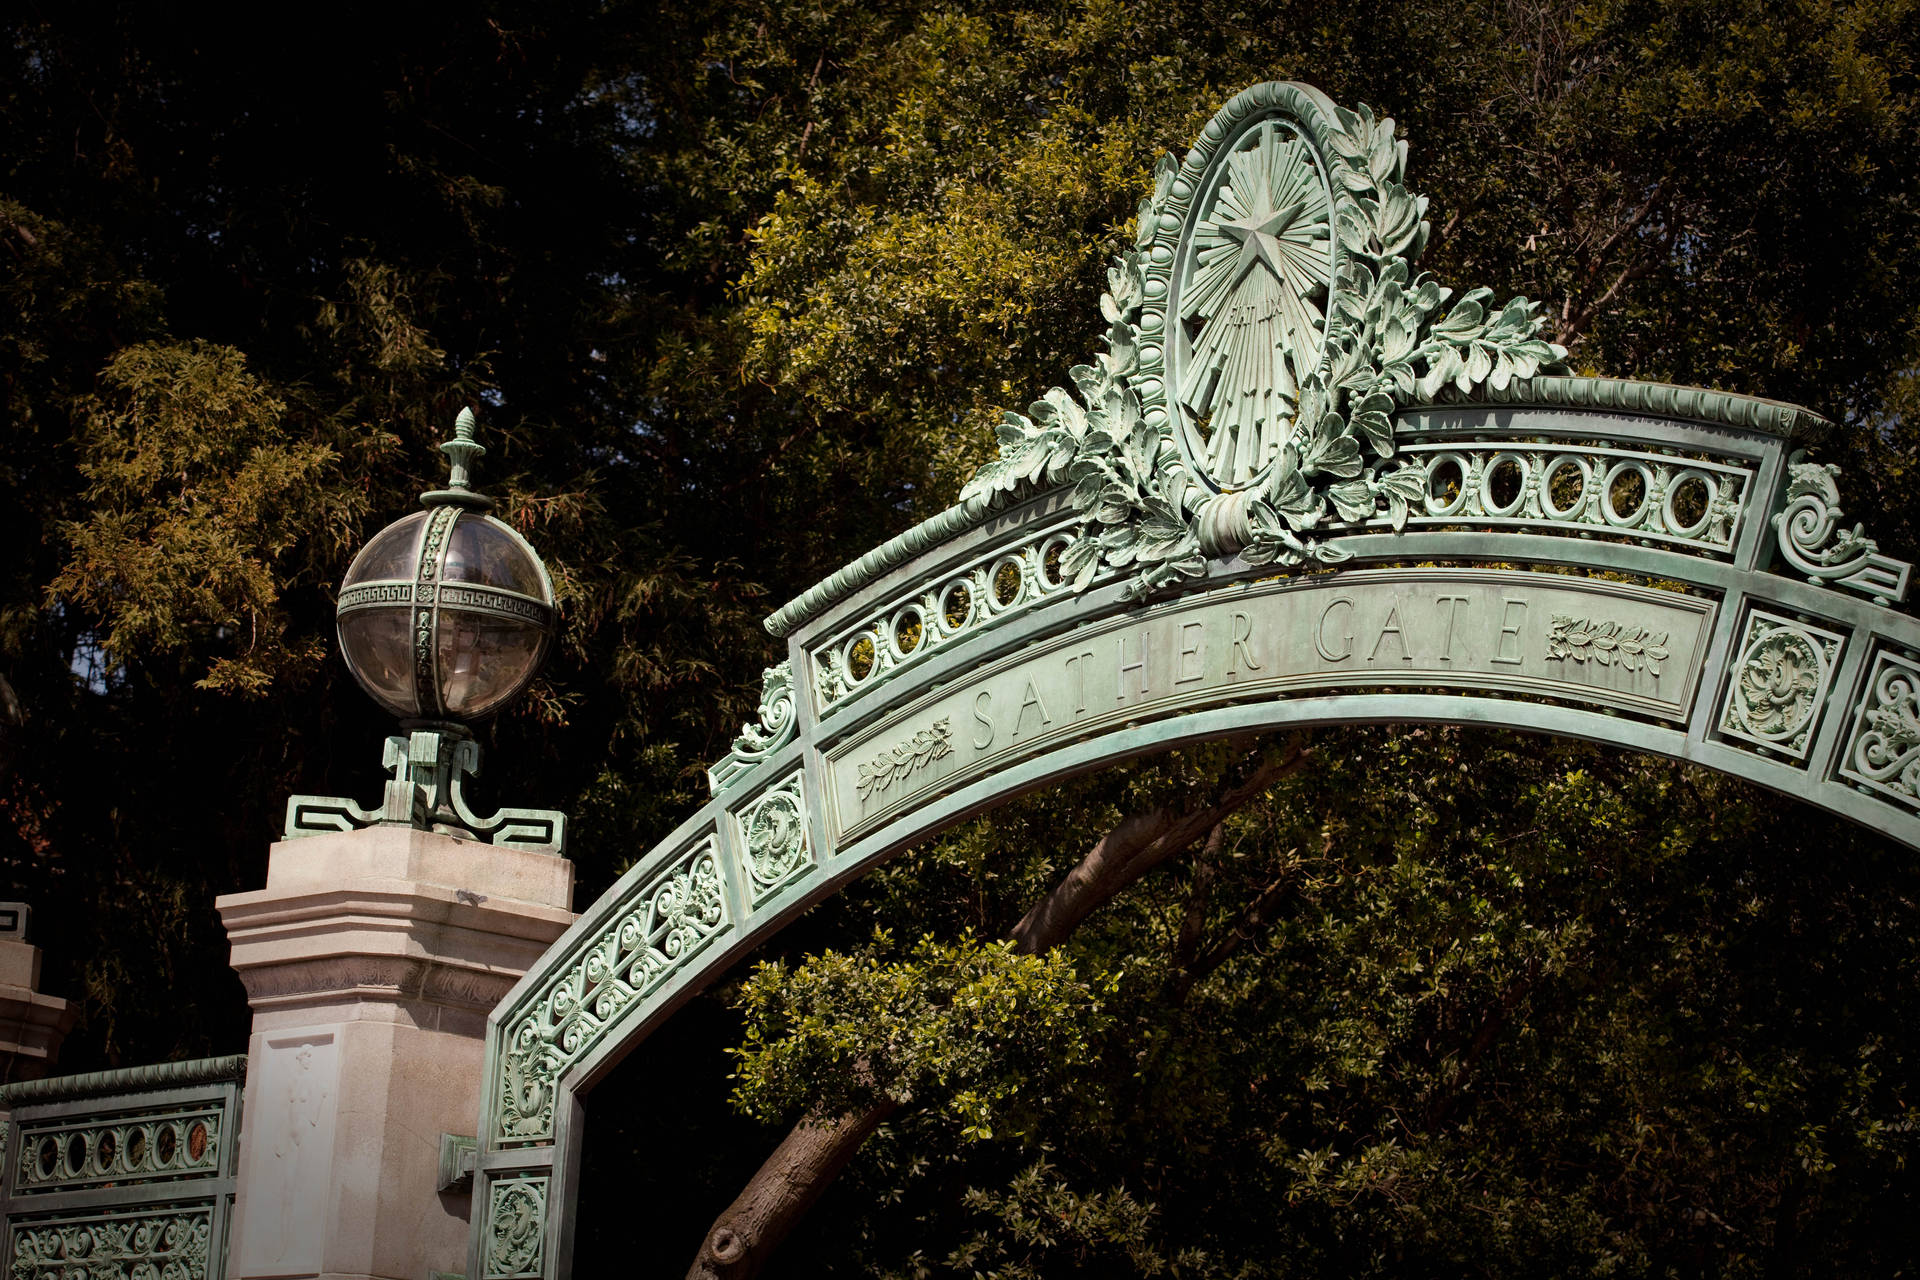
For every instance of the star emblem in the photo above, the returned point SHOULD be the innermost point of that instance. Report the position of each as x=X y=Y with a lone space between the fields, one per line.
x=1260 y=240
x=1261 y=260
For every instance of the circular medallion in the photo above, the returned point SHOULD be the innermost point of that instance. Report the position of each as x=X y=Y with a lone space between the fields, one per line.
x=1780 y=673
x=776 y=838
x=1252 y=276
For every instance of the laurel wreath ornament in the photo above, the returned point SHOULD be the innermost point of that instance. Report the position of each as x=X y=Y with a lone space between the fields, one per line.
x=1388 y=344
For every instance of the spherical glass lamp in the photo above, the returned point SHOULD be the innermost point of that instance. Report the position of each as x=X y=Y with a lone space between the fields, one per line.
x=447 y=613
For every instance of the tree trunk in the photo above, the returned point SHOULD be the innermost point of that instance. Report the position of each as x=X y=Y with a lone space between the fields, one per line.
x=1132 y=849
x=817 y=1148
x=782 y=1190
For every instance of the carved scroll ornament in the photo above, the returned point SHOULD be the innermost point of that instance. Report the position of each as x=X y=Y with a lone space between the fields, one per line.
x=675 y=913
x=1884 y=752
x=774 y=729
x=171 y=1243
x=1812 y=540
x=516 y=1228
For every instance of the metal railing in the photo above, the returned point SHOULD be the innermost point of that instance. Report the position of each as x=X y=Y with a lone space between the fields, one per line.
x=121 y=1175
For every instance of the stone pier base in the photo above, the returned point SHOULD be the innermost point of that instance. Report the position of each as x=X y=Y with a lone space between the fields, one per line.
x=371 y=960
x=32 y=1024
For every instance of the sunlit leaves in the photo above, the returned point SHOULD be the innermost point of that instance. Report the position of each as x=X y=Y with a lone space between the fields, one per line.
x=199 y=501
x=967 y=1025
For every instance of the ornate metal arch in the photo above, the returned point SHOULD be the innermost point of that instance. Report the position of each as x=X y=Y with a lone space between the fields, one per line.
x=1674 y=578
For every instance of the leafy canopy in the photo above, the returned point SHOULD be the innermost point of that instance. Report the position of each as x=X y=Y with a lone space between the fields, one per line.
x=740 y=290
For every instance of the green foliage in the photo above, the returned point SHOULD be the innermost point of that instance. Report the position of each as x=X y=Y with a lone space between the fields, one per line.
x=740 y=292
x=197 y=503
x=1451 y=1004
x=966 y=1026
x=1040 y=1217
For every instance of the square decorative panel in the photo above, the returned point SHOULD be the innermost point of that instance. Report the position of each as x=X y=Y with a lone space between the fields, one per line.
x=774 y=834
x=1883 y=749
x=1779 y=683
x=516 y=1236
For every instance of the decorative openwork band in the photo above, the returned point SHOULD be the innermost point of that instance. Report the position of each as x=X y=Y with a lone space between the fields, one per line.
x=465 y=597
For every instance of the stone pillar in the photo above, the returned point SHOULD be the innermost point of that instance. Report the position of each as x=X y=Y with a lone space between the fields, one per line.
x=32 y=1025
x=371 y=961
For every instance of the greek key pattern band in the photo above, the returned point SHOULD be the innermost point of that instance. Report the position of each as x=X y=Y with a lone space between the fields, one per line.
x=464 y=597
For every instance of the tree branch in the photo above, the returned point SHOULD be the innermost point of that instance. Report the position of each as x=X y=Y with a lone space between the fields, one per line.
x=1446 y=230
x=782 y=1190
x=1205 y=867
x=1243 y=929
x=1627 y=228
x=1572 y=328
x=1134 y=848
x=1492 y=1023
x=1573 y=322
x=814 y=1152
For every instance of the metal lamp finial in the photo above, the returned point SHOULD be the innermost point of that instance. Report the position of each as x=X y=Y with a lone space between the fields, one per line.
x=461 y=452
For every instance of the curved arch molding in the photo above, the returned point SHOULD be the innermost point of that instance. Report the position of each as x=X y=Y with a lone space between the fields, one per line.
x=1653 y=567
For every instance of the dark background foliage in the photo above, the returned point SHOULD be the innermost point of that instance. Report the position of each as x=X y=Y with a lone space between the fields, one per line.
x=738 y=290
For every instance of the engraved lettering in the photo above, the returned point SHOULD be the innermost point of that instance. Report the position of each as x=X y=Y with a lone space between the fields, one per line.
x=1391 y=627
x=1451 y=604
x=1320 y=632
x=1080 y=680
x=1032 y=699
x=1509 y=626
x=1241 y=650
x=1196 y=632
x=1466 y=631
x=1120 y=691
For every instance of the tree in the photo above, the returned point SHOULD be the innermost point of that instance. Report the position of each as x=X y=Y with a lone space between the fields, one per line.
x=1632 y=145
x=235 y=322
x=1516 y=1010
x=738 y=290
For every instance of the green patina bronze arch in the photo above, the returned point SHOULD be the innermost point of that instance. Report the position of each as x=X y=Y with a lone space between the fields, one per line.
x=1303 y=485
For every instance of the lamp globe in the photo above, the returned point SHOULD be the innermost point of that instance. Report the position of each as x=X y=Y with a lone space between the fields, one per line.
x=447 y=613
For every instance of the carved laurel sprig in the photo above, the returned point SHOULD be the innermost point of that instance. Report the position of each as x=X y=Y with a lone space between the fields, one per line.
x=1126 y=475
x=1606 y=643
x=924 y=747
